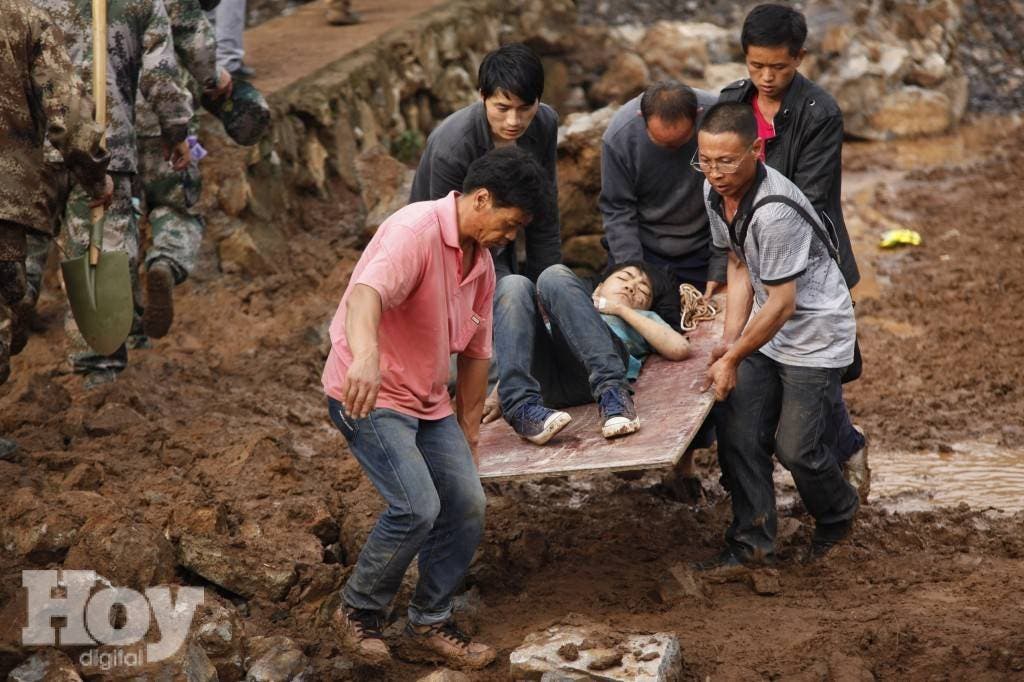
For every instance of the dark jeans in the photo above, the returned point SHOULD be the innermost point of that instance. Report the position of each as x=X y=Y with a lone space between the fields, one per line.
x=786 y=410
x=848 y=439
x=424 y=470
x=572 y=364
x=692 y=269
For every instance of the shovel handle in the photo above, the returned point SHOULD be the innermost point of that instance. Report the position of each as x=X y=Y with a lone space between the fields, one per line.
x=99 y=94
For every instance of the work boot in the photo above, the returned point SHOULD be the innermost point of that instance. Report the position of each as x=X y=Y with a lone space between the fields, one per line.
x=445 y=643
x=242 y=73
x=729 y=560
x=536 y=423
x=618 y=416
x=856 y=469
x=159 y=312
x=361 y=634
x=826 y=536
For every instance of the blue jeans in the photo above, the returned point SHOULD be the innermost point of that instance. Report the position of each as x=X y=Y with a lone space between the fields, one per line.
x=425 y=472
x=786 y=410
x=229 y=24
x=573 y=363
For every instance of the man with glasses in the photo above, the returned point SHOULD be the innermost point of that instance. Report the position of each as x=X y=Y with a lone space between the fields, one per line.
x=802 y=127
x=650 y=197
x=789 y=333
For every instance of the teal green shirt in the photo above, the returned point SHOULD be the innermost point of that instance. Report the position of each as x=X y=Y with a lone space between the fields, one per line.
x=636 y=345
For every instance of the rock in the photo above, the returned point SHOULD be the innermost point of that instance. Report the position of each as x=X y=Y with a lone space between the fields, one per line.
x=127 y=554
x=604 y=659
x=765 y=582
x=253 y=250
x=309 y=514
x=275 y=659
x=113 y=418
x=455 y=89
x=569 y=652
x=41 y=532
x=84 y=476
x=48 y=665
x=626 y=77
x=681 y=584
x=385 y=184
x=579 y=171
x=843 y=668
x=651 y=658
x=217 y=629
x=445 y=675
x=683 y=51
x=911 y=111
x=234 y=194
x=585 y=251
x=260 y=567
x=127 y=664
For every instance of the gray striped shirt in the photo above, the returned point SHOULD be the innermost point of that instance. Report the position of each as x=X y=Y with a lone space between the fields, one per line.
x=780 y=246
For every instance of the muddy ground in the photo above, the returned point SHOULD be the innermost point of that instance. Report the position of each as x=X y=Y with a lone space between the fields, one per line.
x=227 y=412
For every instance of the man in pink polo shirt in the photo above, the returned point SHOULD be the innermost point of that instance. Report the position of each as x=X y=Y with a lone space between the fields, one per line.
x=421 y=291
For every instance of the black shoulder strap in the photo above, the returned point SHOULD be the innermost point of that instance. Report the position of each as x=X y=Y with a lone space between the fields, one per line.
x=833 y=250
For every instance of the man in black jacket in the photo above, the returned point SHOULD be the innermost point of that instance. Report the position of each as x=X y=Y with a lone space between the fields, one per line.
x=511 y=82
x=802 y=127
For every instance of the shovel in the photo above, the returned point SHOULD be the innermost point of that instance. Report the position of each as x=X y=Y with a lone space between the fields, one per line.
x=99 y=284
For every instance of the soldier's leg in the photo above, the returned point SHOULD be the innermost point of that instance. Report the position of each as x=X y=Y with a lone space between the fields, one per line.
x=12 y=289
x=177 y=231
x=120 y=233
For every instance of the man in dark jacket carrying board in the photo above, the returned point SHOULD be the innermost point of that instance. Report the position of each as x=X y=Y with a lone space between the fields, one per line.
x=802 y=129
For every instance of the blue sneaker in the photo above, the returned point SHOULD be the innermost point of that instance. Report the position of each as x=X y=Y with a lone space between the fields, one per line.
x=617 y=413
x=536 y=423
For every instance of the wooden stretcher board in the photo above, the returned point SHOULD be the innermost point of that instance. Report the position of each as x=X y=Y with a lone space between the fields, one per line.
x=671 y=410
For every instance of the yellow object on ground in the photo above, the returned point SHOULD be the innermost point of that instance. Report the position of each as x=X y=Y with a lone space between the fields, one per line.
x=891 y=238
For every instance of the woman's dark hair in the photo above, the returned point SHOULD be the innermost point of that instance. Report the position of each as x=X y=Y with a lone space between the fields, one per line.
x=514 y=178
x=515 y=69
x=774 y=25
x=664 y=295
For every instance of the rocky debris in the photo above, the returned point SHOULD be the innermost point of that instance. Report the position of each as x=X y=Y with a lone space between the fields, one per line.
x=636 y=657
x=126 y=553
x=84 y=476
x=48 y=665
x=765 y=582
x=253 y=250
x=217 y=629
x=41 y=531
x=128 y=664
x=248 y=568
x=626 y=77
x=585 y=252
x=579 y=171
x=275 y=659
x=385 y=184
x=113 y=418
x=445 y=675
x=682 y=51
x=993 y=31
x=681 y=584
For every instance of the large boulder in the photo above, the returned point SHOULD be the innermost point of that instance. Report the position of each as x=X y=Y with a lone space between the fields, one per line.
x=626 y=77
x=39 y=531
x=126 y=553
x=579 y=171
x=385 y=184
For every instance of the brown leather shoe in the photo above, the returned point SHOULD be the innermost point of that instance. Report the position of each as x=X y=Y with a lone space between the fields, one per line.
x=445 y=643
x=361 y=635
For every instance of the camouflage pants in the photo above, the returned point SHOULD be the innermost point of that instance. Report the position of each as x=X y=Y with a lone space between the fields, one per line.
x=12 y=290
x=169 y=197
x=120 y=233
x=38 y=245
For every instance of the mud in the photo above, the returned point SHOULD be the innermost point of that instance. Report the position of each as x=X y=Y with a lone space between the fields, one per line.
x=226 y=414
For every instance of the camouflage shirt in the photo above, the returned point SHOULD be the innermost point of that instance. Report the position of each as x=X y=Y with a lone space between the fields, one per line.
x=140 y=56
x=41 y=97
x=195 y=44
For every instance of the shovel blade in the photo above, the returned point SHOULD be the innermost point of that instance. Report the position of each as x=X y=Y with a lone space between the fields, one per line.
x=101 y=299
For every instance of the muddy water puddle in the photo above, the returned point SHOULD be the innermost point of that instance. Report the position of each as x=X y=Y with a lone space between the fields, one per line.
x=978 y=474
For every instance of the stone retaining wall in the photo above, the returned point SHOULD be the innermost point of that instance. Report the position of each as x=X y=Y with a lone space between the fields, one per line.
x=389 y=94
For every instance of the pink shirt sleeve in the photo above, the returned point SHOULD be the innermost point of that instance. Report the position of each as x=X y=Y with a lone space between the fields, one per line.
x=396 y=268
x=479 y=346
